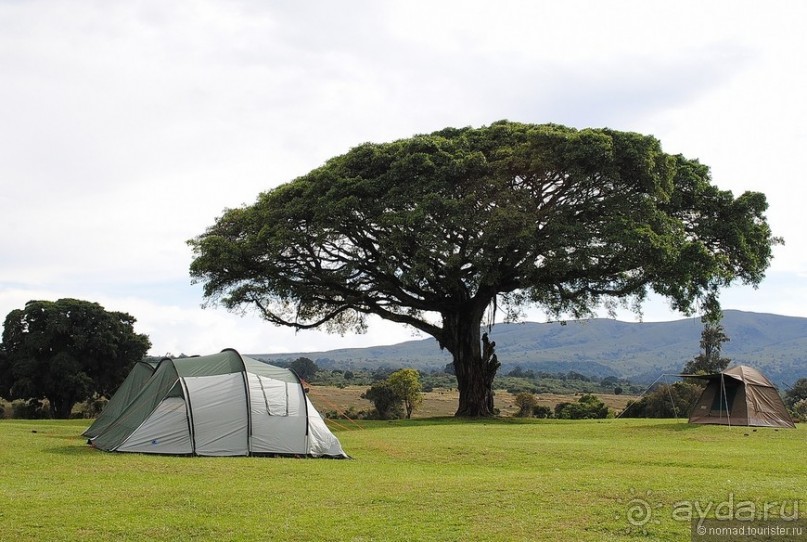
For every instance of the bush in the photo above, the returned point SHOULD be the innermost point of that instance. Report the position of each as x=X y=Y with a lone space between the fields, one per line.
x=797 y=393
x=799 y=411
x=665 y=401
x=31 y=409
x=541 y=411
x=587 y=407
x=526 y=403
x=386 y=402
x=90 y=408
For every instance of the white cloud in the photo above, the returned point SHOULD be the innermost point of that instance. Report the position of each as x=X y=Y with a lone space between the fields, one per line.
x=126 y=128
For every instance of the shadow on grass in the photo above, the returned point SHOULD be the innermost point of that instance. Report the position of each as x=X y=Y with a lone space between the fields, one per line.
x=670 y=426
x=341 y=424
x=654 y=424
x=77 y=450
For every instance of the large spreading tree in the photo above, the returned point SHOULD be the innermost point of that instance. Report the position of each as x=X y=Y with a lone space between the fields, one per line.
x=436 y=230
x=67 y=351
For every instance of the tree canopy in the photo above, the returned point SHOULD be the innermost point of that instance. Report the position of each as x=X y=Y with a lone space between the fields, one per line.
x=709 y=361
x=67 y=351
x=436 y=230
x=797 y=392
x=405 y=383
x=305 y=368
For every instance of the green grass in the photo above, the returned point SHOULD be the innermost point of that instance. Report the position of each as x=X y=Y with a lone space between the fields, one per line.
x=431 y=479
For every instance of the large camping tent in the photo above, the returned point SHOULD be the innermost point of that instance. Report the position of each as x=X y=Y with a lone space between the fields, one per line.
x=125 y=394
x=740 y=395
x=220 y=405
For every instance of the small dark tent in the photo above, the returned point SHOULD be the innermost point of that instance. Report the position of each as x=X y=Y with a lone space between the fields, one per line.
x=740 y=395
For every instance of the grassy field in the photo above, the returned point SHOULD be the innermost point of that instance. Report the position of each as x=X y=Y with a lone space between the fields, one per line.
x=425 y=479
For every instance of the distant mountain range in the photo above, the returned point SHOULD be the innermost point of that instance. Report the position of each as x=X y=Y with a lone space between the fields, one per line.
x=641 y=352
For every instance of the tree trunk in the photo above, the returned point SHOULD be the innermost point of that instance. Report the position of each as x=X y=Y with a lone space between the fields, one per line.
x=60 y=408
x=475 y=363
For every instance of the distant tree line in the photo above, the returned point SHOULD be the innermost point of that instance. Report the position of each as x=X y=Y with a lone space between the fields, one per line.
x=514 y=381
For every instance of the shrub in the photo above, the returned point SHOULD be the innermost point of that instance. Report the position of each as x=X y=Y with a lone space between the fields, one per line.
x=799 y=411
x=665 y=401
x=526 y=403
x=386 y=402
x=797 y=393
x=587 y=407
x=541 y=411
x=31 y=409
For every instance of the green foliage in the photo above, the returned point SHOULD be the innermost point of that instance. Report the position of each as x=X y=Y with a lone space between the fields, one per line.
x=67 y=351
x=799 y=410
x=542 y=411
x=526 y=403
x=508 y=215
x=396 y=396
x=30 y=409
x=797 y=392
x=666 y=401
x=386 y=402
x=587 y=407
x=305 y=368
x=406 y=385
x=709 y=361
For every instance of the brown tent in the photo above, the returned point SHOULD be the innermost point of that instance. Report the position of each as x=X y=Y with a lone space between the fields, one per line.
x=740 y=396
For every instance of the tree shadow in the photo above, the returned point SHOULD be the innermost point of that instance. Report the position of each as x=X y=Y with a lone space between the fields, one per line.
x=674 y=427
x=340 y=424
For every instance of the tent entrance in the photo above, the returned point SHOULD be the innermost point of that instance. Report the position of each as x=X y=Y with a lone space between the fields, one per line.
x=723 y=402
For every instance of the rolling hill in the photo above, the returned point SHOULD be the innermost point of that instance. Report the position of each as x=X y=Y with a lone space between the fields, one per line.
x=777 y=345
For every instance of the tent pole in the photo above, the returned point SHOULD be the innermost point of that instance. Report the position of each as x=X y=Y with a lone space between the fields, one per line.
x=672 y=401
x=640 y=395
x=725 y=398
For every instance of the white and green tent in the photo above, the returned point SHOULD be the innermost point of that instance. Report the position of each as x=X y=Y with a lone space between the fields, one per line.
x=224 y=404
x=125 y=394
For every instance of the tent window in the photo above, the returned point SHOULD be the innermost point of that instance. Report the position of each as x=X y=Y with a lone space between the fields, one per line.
x=719 y=402
x=275 y=396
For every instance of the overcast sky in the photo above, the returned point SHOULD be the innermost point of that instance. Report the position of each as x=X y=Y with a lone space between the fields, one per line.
x=127 y=127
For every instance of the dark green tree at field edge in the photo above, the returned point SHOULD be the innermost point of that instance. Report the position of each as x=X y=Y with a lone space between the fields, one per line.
x=66 y=351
